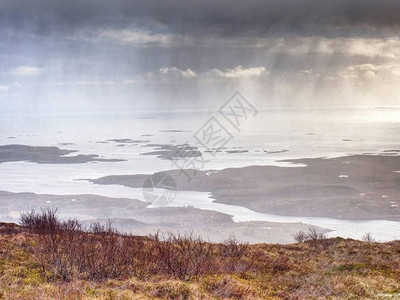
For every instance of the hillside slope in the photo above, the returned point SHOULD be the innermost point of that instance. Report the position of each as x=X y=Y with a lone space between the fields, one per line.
x=319 y=269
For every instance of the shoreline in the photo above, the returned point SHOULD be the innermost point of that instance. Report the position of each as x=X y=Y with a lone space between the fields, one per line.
x=358 y=187
x=134 y=216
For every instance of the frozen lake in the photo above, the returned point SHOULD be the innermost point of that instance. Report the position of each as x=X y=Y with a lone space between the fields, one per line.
x=274 y=134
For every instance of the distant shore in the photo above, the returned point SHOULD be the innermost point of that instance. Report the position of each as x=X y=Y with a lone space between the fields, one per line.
x=357 y=187
x=133 y=216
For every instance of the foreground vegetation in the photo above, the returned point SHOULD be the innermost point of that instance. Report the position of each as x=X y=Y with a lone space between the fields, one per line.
x=48 y=258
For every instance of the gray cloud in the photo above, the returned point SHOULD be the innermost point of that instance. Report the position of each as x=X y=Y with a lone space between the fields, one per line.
x=191 y=52
x=223 y=18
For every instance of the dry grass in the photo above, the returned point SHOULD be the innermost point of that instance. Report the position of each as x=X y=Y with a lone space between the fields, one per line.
x=186 y=267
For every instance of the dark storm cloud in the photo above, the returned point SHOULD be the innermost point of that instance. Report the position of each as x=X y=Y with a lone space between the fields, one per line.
x=81 y=53
x=226 y=17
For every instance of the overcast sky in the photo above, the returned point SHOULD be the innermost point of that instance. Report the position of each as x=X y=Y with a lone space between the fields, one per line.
x=128 y=54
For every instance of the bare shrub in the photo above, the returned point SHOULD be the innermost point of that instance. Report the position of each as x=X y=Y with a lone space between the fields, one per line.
x=312 y=234
x=232 y=247
x=68 y=249
x=300 y=236
x=367 y=237
x=45 y=222
x=184 y=256
x=233 y=256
